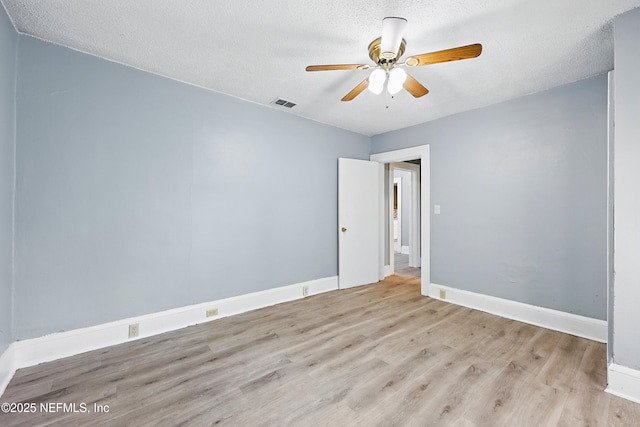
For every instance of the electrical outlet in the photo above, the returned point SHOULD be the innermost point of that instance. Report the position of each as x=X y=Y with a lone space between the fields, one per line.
x=305 y=291
x=134 y=330
x=443 y=294
x=212 y=312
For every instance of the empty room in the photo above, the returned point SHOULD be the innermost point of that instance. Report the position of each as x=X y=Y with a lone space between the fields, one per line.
x=319 y=213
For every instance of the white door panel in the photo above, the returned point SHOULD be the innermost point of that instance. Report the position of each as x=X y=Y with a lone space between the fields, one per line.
x=358 y=222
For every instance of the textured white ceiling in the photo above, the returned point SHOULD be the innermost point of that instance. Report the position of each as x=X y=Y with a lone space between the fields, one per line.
x=258 y=50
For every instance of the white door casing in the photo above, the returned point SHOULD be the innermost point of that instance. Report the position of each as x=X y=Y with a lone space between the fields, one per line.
x=421 y=152
x=358 y=222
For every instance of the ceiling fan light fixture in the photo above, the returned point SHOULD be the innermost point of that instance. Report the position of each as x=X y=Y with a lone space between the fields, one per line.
x=397 y=77
x=376 y=80
x=386 y=51
x=392 y=31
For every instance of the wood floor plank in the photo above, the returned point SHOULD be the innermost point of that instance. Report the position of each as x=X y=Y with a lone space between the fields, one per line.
x=386 y=382
x=380 y=354
x=293 y=394
x=623 y=413
x=535 y=353
x=543 y=405
x=502 y=397
x=443 y=394
x=587 y=407
x=561 y=368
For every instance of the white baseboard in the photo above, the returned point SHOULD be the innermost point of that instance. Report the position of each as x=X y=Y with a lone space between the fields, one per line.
x=623 y=382
x=405 y=250
x=586 y=327
x=30 y=352
x=7 y=368
x=386 y=271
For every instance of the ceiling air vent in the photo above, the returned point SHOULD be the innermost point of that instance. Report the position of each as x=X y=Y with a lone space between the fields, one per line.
x=284 y=103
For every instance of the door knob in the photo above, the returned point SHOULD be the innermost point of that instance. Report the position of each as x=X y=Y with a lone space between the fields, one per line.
x=344 y=229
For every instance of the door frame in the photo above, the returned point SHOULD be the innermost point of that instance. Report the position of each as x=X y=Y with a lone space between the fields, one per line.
x=421 y=152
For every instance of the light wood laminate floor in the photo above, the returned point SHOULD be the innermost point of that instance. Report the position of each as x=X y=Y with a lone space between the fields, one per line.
x=402 y=268
x=377 y=355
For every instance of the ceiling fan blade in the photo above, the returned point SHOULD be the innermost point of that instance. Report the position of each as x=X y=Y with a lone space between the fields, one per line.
x=414 y=87
x=356 y=90
x=455 y=54
x=392 y=32
x=337 y=67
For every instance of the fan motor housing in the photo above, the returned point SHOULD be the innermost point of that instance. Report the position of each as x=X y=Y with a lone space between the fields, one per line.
x=374 y=52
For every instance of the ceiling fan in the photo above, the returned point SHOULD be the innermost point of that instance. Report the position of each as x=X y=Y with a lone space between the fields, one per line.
x=385 y=52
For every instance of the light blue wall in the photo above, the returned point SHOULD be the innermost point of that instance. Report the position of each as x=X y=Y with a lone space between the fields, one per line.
x=8 y=42
x=522 y=188
x=626 y=339
x=137 y=194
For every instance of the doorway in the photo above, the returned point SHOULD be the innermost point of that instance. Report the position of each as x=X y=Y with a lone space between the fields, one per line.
x=404 y=216
x=422 y=219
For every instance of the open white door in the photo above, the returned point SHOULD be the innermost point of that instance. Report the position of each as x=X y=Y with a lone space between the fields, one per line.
x=358 y=222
